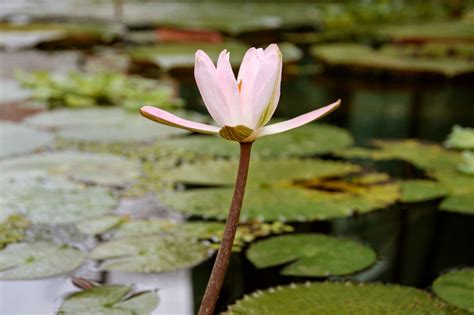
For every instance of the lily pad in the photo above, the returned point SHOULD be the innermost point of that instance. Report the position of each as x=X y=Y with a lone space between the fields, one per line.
x=457 y=288
x=102 y=169
x=169 y=56
x=19 y=138
x=467 y=166
x=460 y=138
x=262 y=171
x=389 y=58
x=305 y=141
x=151 y=254
x=53 y=200
x=110 y=125
x=341 y=298
x=459 y=203
x=421 y=190
x=283 y=203
x=38 y=260
x=11 y=91
x=12 y=229
x=311 y=255
x=109 y=300
x=100 y=225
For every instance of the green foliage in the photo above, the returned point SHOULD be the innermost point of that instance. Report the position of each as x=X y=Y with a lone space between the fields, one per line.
x=19 y=138
x=313 y=255
x=457 y=288
x=341 y=298
x=305 y=141
x=12 y=229
x=101 y=169
x=389 y=58
x=53 y=200
x=467 y=166
x=460 y=138
x=109 y=300
x=38 y=260
x=151 y=254
x=420 y=190
x=100 y=225
x=79 y=90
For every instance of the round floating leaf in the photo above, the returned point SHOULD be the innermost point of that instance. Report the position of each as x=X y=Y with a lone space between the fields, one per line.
x=341 y=298
x=286 y=204
x=457 y=288
x=52 y=200
x=151 y=254
x=305 y=141
x=420 y=190
x=102 y=169
x=99 y=225
x=459 y=203
x=12 y=229
x=38 y=260
x=19 y=138
x=109 y=300
x=262 y=171
x=313 y=255
x=460 y=138
x=107 y=125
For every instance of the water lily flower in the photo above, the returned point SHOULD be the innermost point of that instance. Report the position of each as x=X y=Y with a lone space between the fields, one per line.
x=240 y=107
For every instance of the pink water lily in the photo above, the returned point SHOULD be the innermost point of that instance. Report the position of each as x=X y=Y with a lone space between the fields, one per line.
x=240 y=107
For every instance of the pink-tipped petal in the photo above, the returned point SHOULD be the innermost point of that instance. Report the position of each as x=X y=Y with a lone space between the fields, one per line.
x=297 y=121
x=166 y=118
x=206 y=79
x=266 y=93
x=228 y=84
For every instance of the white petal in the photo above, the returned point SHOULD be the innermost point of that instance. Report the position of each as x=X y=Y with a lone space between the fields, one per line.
x=169 y=119
x=228 y=84
x=298 y=121
x=247 y=74
x=206 y=78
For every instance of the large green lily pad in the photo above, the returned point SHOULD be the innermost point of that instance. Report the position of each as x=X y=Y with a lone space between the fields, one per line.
x=460 y=138
x=109 y=300
x=151 y=254
x=388 y=58
x=106 y=125
x=261 y=171
x=420 y=190
x=305 y=141
x=437 y=162
x=283 y=203
x=53 y=200
x=19 y=138
x=341 y=298
x=313 y=255
x=38 y=260
x=457 y=288
x=100 y=225
x=102 y=169
x=169 y=56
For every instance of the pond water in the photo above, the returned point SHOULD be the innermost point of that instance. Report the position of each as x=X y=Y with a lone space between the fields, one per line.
x=414 y=242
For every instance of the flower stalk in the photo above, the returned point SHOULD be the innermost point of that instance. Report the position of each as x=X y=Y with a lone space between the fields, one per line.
x=214 y=285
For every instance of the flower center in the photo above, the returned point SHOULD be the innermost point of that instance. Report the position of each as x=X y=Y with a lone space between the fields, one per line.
x=237 y=133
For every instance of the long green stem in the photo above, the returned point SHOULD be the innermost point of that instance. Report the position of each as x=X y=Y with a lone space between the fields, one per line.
x=214 y=285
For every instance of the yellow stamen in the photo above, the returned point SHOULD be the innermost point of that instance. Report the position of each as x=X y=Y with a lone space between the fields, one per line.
x=239 y=85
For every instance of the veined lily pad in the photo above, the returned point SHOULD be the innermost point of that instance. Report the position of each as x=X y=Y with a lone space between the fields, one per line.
x=102 y=169
x=111 y=125
x=53 y=200
x=420 y=190
x=19 y=138
x=341 y=298
x=388 y=58
x=100 y=225
x=261 y=172
x=109 y=300
x=460 y=138
x=151 y=254
x=181 y=55
x=457 y=288
x=38 y=260
x=313 y=255
x=305 y=141
x=286 y=204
